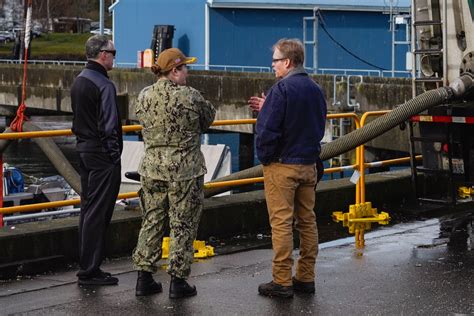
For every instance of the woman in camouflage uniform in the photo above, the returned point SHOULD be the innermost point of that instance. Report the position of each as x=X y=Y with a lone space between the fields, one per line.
x=172 y=170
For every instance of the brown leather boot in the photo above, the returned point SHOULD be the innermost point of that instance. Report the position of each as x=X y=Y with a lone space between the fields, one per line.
x=303 y=287
x=273 y=289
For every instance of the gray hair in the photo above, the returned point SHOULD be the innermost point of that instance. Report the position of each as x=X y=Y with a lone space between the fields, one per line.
x=95 y=44
x=292 y=48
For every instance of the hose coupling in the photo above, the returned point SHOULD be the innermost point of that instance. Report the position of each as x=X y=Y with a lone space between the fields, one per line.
x=462 y=84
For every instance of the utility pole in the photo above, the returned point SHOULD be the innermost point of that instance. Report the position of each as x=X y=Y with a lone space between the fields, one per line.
x=48 y=16
x=101 y=17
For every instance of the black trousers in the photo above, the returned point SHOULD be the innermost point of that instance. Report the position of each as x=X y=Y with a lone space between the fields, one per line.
x=100 y=182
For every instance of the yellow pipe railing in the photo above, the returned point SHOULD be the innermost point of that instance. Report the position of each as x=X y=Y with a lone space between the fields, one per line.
x=389 y=162
x=136 y=128
x=125 y=128
x=20 y=135
x=360 y=188
x=357 y=126
x=46 y=205
x=381 y=163
x=361 y=183
x=232 y=183
x=209 y=185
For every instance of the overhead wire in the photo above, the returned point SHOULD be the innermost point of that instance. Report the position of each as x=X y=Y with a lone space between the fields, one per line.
x=323 y=26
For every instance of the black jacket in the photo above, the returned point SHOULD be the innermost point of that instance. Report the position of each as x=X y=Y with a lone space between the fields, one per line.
x=96 y=122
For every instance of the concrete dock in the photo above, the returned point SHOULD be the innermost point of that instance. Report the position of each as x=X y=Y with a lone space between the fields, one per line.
x=39 y=245
x=421 y=267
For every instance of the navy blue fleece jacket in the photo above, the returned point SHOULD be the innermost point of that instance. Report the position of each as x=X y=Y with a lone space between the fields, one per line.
x=291 y=124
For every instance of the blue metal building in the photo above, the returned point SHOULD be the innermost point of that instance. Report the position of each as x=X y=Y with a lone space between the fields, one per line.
x=339 y=34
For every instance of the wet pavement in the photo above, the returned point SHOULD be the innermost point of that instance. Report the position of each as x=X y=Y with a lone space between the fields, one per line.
x=422 y=267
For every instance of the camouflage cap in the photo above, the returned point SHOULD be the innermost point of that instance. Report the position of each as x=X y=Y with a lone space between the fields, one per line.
x=173 y=57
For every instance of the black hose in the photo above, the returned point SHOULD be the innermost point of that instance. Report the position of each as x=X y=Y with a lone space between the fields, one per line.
x=360 y=136
x=385 y=123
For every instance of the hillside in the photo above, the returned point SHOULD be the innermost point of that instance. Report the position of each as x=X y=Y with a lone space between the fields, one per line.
x=53 y=46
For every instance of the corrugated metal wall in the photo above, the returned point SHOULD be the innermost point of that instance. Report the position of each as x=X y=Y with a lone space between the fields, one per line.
x=134 y=21
x=245 y=36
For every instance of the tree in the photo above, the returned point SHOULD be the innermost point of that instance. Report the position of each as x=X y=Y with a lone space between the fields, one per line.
x=47 y=10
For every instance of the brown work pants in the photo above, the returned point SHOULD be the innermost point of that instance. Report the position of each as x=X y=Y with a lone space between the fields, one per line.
x=290 y=194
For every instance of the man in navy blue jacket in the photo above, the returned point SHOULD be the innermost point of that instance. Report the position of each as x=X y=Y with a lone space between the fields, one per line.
x=289 y=129
x=98 y=131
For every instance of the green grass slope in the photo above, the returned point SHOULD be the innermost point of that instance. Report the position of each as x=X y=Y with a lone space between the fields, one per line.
x=56 y=46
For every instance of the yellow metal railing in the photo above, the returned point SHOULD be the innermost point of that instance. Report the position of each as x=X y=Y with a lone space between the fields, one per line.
x=125 y=129
x=360 y=209
x=362 y=214
x=361 y=182
x=134 y=128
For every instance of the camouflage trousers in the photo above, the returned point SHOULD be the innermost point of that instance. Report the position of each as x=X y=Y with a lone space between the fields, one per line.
x=180 y=203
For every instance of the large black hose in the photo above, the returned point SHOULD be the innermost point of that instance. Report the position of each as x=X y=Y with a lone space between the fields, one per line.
x=360 y=136
x=385 y=123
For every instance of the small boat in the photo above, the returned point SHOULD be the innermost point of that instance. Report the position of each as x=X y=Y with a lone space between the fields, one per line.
x=55 y=188
x=47 y=189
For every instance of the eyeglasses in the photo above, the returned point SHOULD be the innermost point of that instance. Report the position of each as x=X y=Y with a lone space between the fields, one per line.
x=274 y=60
x=113 y=52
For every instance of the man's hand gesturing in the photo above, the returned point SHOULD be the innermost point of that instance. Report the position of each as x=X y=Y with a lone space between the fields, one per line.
x=256 y=103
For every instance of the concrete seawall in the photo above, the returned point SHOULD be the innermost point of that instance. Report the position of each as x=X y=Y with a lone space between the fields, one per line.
x=32 y=243
x=48 y=91
x=222 y=88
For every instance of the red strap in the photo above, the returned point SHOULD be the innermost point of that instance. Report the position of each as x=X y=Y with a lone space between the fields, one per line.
x=17 y=123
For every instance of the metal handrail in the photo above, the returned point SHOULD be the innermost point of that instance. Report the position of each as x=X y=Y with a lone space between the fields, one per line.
x=361 y=182
x=338 y=71
x=360 y=188
x=129 y=195
x=125 y=128
x=44 y=62
x=231 y=67
x=45 y=205
x=356 y=119
x=131 y=128
x=323 y=71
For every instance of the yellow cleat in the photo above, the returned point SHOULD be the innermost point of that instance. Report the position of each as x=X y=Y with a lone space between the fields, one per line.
x=200 y=249
x=359 y=219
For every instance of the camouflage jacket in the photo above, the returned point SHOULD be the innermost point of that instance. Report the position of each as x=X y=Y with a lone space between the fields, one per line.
x=173 y=118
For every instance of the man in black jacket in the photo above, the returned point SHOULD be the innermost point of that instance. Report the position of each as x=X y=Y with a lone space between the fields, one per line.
x=97 y=127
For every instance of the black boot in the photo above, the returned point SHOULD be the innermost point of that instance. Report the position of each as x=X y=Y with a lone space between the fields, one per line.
x=180 y=288
x=146 y=285
x=273 y=289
